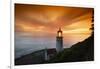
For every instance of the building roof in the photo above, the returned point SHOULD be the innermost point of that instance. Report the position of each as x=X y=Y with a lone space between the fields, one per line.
x=51 y=51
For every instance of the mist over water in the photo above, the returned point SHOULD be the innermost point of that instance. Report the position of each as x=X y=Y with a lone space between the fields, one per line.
x=26 y=45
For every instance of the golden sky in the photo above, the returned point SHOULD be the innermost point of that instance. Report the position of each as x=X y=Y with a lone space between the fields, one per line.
x=45 y=20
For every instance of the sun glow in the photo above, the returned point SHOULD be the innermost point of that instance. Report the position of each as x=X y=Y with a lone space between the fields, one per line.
x=45 y=20
x=81 y=30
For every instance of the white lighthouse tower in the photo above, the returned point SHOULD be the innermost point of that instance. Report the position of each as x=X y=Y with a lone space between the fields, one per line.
x=59 y=41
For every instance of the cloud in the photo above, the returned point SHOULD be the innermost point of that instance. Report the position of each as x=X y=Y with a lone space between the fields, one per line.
x=47 y=19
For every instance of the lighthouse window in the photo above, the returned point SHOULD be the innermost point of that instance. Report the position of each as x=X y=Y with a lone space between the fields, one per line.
x=59 y=34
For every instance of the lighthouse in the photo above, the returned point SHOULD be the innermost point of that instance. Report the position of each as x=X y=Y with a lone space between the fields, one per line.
x=59 y=41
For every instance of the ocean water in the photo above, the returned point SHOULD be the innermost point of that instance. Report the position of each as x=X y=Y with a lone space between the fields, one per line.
x=26 y=45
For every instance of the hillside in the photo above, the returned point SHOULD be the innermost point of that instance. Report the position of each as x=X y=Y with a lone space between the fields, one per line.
x=37 y=57
x=81 y=51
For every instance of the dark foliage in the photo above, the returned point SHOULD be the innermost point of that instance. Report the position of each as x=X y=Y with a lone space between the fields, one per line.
x=81 y=51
